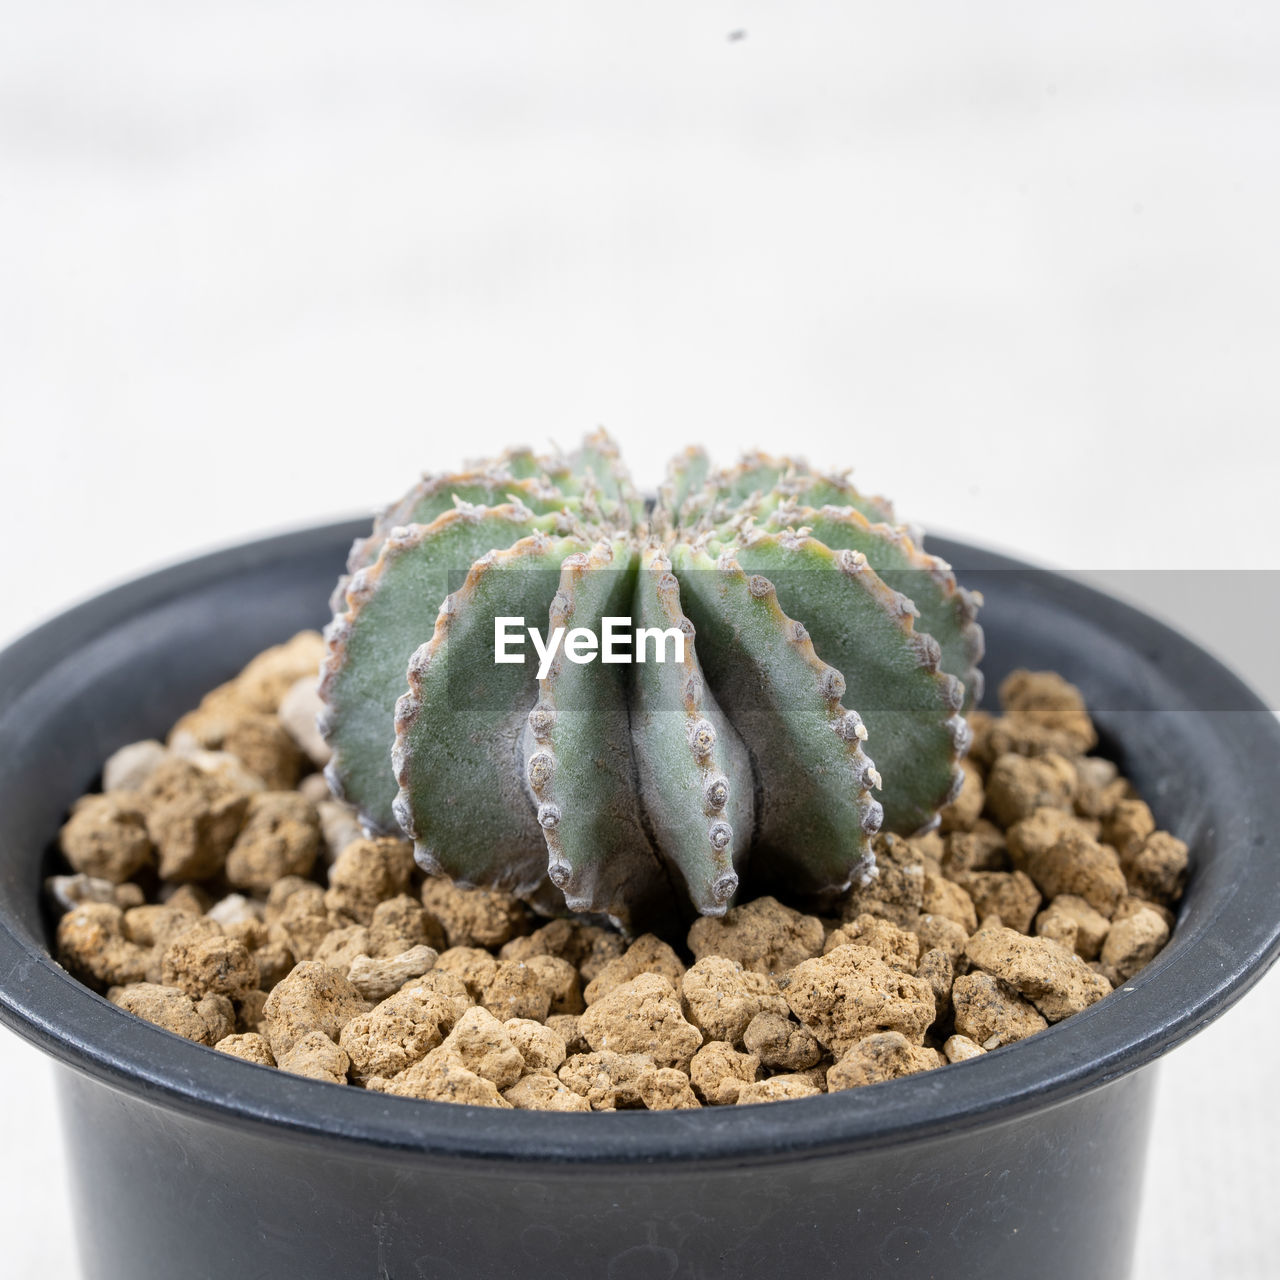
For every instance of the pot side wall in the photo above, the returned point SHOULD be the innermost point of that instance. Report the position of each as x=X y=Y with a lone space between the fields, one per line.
x=162 y=1196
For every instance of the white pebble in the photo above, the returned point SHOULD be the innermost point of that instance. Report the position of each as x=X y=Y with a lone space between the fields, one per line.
x=298 y=711
x=71 y=891
x=235 y=908
x=128 y=768
x=378 y=979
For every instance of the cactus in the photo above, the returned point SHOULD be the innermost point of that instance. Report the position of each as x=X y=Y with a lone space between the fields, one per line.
x=814 y=630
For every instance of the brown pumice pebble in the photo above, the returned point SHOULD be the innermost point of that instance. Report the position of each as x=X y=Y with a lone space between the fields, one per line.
x=1132 y=943
x=473 y=917
x=763 y=935
x=209 y=897
x=721 y=998
x=399 y=1031
x=366 y=873
x=249 y=1046
x=897 y=947
x=206 y=1020
x=885 y=1055
x=1042 y=971
x=990 y=1013
x=850 y=992
x=316 y=1056
x=647 y=954
x=192 y=818
x=106 y=836
x=280 y=837
x=608 y=1080
x=214 y=965
x=718 y=1072
x=781 y=1043
x=642 y=1016
x=312 y=998
x=544 y=1091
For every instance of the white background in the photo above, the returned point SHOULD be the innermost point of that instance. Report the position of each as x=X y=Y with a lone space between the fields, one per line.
x=261 y=263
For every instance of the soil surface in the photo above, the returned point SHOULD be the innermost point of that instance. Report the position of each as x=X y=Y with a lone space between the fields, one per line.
x=218 y=890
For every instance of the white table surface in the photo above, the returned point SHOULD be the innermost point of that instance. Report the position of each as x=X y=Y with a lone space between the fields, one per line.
x=262 y=263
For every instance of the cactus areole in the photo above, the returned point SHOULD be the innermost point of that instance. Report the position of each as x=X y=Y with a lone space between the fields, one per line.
x=503 y=682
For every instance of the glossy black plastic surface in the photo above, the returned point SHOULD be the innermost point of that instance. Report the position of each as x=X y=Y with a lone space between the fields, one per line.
x=192 y=1164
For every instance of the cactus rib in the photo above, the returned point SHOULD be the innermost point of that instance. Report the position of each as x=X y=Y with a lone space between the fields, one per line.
x=694 y=772
x=390 y=606
x=459 y=729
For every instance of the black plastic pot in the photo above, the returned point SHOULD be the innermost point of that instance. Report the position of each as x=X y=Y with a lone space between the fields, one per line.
x=190 y=1164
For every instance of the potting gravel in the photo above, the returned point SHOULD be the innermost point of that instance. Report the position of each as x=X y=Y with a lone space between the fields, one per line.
x=218 y=890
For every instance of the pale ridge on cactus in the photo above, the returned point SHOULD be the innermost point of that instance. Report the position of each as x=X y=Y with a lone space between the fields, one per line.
x=815 y=631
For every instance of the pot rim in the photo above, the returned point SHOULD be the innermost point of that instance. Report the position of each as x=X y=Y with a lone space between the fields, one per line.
x=1179 y=993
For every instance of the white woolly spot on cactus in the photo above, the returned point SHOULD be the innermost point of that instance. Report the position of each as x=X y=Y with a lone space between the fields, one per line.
x=961 y=734
x=726 y=563
x=716 y=792
x=542 y=719
x=725 y=887
x=831 y=682
x=866 y=872
x=759 y=586
x=561 y=606
x=905 y=606
x=360 y=588
x=334 y=779
x=956 y=787
x=702 y=737
x=419 y=662
x=693 y=690
x=549 y=816
x=560 y=874
x=542 y=766
x=954 y=692
x=871 y=776
x=668 y=582
x=427 y=860
x=799 y=632
x=720 y=834
x=977 y=683
x=872 y=816
x=851 y=562
x=688 y=628
x=850 y=727
x=489 y=558
x=578 y=560
x=926 y=648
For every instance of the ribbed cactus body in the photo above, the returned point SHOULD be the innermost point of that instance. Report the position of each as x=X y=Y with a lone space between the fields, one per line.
x=816 y=634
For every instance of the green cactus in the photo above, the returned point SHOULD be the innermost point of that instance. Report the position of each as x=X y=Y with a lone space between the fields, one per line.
x=810 y=624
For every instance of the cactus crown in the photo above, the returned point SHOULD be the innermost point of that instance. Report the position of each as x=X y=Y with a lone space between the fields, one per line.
x=815 y=630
